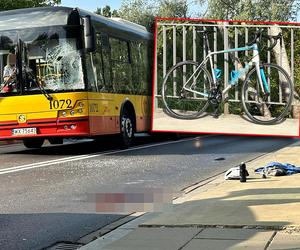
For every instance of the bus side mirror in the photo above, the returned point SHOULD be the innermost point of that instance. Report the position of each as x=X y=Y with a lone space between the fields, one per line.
x=89 y=34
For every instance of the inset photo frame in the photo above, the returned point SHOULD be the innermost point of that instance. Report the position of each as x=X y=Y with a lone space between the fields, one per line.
x=226 y=77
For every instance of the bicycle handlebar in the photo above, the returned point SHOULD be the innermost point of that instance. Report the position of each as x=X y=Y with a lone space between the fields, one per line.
x=258 y=35
x=275 y=39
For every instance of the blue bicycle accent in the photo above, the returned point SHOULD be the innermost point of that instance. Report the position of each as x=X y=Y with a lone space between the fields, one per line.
x=217 y=73
x=237 y=74
x=263 y=77
x=234 y=77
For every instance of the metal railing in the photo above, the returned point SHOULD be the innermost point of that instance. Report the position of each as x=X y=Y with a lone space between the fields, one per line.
x=180 y=41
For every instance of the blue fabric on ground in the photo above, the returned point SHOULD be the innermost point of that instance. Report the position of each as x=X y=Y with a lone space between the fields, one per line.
x=289 y=168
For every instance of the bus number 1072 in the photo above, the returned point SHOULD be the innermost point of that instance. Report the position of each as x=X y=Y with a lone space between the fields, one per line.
x=61 y=104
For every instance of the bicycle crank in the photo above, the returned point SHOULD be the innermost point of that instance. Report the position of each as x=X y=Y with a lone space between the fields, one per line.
x=215 y=97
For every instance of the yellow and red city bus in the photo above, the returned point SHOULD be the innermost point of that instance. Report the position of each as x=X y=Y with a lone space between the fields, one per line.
x=74 y=74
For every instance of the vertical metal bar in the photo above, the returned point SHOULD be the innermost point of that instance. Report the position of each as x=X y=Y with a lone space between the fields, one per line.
x=236 y=44
x=215 y=46
x=280 y=78
x=292 y=56
x=204 y=51
x=226 y=67
x=280 y=53
x=174 y=61
x=269 y=70
x=164 y=51
x=246 y=39
x=155 y=73
x=204 y=55
x=194 y=44
x=184 y=52
x=246 y=54
x=194 y=51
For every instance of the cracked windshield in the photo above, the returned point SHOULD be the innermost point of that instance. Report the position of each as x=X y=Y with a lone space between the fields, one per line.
x=34 y=59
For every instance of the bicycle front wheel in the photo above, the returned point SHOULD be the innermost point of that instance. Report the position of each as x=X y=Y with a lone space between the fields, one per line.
x=272 y=105
x=187 y=103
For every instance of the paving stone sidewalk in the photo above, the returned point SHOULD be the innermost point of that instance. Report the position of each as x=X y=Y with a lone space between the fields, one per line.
x=258 y=214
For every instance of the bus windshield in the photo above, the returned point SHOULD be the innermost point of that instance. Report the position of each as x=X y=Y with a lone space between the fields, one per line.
x=50 y=59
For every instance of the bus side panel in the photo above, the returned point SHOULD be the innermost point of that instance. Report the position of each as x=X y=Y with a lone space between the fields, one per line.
x=104 y=118
x=104 y=112
x=143 y=114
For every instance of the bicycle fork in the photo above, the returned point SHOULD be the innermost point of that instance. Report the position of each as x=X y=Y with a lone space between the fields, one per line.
x=260 y=72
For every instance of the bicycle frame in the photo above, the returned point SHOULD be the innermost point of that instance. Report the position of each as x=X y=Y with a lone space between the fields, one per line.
x=255 y=60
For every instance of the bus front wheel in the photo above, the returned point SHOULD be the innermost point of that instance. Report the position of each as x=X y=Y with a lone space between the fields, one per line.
x=127 y=129
x=33 y=142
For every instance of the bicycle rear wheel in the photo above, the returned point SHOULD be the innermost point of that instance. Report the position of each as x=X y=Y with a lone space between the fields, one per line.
x=181 y=103
x=267 y=109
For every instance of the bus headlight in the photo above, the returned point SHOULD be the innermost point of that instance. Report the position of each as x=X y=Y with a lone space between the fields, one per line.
x=81 y=104
x=64 y=113
x=80 y=111
x=72 y=112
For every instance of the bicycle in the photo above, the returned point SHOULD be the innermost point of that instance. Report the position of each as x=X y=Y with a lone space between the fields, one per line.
x=266 y=93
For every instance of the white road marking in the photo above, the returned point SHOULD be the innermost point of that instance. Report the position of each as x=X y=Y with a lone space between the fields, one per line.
x=87 y=156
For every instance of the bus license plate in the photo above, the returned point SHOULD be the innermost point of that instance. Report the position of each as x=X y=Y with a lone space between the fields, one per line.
x=24 y=131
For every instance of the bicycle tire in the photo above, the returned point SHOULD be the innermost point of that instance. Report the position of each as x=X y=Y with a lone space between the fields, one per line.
x=174 y=103
x=280 y=83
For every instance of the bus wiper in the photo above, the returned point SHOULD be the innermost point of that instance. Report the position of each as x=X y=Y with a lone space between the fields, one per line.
x=40 y=86
x=28 y=71
x=44 y=92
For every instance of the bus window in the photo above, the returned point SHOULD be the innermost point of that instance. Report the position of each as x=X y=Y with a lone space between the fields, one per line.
x=91 y=72
x=7 y=46
x=144 y=64
x=140 y=67
x=102 y=63
x=58 y=63
x=98 y=65
x=121 y=66
x=136 y=71
x=51 y=57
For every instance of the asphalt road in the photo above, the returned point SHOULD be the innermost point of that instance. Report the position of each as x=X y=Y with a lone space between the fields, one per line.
x=44 y=193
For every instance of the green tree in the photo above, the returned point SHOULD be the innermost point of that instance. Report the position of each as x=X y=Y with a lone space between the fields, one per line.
x=270 y=10
x=138 y=11
x=144 y=12
x=115 y=13
x=106 y=11
x=173 y=8
x=98 y=11
x=19 y=4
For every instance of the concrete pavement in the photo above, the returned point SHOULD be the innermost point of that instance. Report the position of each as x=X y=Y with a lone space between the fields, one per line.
x=258 y=214
x=232 y=124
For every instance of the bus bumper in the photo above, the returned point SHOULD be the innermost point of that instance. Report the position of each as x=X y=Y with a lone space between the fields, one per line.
x=46 y=128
